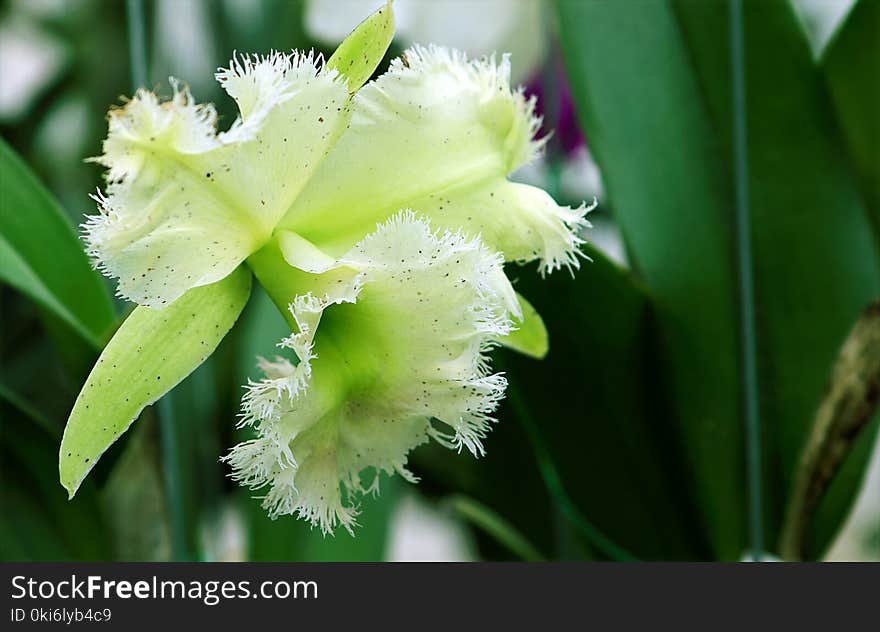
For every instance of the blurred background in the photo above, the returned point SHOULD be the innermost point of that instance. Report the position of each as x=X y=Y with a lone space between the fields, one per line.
x=619 y=445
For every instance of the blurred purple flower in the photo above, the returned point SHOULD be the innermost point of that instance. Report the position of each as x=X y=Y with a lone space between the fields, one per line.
x=556 y=106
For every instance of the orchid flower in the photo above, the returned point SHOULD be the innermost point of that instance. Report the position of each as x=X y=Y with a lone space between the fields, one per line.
x=378 y=219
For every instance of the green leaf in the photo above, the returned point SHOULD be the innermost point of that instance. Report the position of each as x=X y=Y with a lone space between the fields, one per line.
x=530 y=336
x=37 y=523
x=25 y=409
x=659 y=121
x=640 y=106
x=593 y=408
x=150 y=354
x=811 y=285
x=526 y=505
x=41 y=256
x=16 y=272
x=851 y=65
x=360 y=53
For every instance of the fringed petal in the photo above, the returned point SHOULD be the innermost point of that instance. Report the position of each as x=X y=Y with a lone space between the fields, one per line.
x=401 y=342
x=291 y=113
x=164 y=225
x=185 y=205
x=521 y=221
x=439 y=133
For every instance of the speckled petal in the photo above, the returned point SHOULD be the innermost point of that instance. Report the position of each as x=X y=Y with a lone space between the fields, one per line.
x=439 y=134
x=184 y=204
x=398 y=342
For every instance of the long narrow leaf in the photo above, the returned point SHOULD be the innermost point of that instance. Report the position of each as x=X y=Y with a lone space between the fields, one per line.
x=17 y=273
x=596 y=407
x=641 y=108
x=816 y=267
x=37 y=523
x=659 y=122
x=41 y=256
x=851 y=65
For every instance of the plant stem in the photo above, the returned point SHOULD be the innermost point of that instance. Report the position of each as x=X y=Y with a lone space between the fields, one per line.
x=173 y=478
x=137 y=43
x=748 y=338
x=496 y=526
x=552 y=480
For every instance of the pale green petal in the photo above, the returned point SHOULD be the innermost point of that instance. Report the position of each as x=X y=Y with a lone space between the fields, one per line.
x=164 y=235
x=382 y=352
x=291 y=115
x=185 y=205
x=529 y=335
x=439 y=134
x=521 y=221
x=303 y=254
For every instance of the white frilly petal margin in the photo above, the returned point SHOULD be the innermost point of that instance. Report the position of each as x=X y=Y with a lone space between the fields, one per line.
x=440 y=133
x=390 y=354
x=184 y=204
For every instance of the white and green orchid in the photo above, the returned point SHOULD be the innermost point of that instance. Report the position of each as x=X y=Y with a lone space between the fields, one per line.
x=377 y=218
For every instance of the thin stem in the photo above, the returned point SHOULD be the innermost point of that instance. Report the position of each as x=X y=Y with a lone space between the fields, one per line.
x=551 y=106
x=496 y=526
x=25 y=407
x=552 y=480
x=748 y=338
x=137 y=43
x=173 y=478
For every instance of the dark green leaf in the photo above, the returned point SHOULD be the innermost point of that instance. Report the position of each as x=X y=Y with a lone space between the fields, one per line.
x=641 y=108
x=851 y=64
x=653 y=91
x=525 y=503
x=133 y=500
x=37 y=521
x=496 y=526
x=595 y=405
x=41 y=256
x=815 y=265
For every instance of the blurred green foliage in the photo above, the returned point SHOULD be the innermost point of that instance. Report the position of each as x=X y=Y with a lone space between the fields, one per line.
x=626 y=441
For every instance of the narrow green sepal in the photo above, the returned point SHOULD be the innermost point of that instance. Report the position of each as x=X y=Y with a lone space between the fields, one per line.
x=530 y=337
x=150 y=354
x=360 y=53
